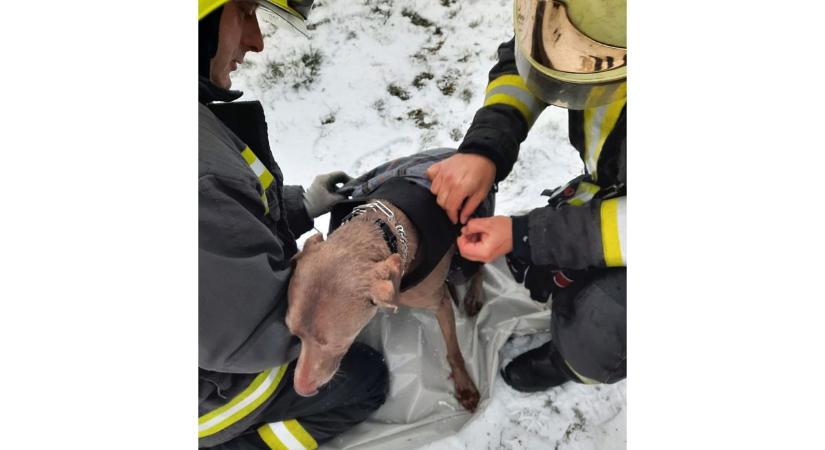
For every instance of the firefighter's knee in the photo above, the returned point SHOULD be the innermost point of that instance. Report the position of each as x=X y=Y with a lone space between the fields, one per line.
x=593 y=339
x=365 y=370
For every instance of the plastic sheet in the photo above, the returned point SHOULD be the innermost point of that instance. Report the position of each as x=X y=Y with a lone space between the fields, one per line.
x=420 y=406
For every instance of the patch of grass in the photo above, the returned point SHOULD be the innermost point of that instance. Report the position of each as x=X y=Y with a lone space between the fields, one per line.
x=380 y=8
x=447 y=83
x=312 y=64
x=435 y=48
x=422 y=54
x=421 y=78
x=274 y=72
x=578 y=425
x=466 y=95
x=419 y=117
x=397 y=91
x=474 y=23
x=456 y=134
x=312 y=26
x=328 y=119
x=579 y=416
x=416 y=19
x=549 y=404
x=448 y=3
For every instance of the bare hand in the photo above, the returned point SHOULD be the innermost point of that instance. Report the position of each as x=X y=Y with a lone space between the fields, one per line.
x=485 y=239
x=459 y=178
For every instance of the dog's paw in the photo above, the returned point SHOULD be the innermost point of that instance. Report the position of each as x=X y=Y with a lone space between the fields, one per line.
x=465 y=391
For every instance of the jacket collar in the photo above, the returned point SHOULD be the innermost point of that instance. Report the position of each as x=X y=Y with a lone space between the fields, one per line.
x=208 y=92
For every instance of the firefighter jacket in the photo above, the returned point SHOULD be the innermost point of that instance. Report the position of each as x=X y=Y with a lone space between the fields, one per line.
x=587 y=229
x=247 y=223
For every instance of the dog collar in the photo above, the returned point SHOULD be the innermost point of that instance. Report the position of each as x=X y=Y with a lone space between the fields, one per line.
x=389 y=237
x=392 y=239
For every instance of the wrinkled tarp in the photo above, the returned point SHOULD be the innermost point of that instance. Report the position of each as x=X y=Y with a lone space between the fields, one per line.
x=420 y=407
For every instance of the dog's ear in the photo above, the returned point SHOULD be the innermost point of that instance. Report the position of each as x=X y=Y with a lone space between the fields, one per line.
x=311 y=242
x=387 y=285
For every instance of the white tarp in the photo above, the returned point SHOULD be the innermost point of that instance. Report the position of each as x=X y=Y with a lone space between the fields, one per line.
x=420 y=407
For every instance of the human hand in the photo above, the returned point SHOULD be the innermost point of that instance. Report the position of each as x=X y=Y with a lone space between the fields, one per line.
x=459 y=178
x=485 y=239
x=321 y=195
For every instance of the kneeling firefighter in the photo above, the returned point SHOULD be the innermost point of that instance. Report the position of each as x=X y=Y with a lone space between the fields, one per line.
x=248 y=223
x=571 y=54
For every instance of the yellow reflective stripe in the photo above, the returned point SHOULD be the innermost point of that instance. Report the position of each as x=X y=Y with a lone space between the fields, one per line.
x=249 y=156
x=244 y=403
x=509 y=80
x=264 y=175
x=613 y=227
x=533 y=105
x=504 y=99
x=583 y=378
x=207 y=6
x=584 y=193
x=521 y=98
x=260 y=170
x=265 y=201
x=598 y=123
x=269 y=438
x=288 y=434
x=266 y=178
x=301 y=434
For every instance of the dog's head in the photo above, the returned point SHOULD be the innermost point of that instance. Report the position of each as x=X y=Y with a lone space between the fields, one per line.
x=335 y=289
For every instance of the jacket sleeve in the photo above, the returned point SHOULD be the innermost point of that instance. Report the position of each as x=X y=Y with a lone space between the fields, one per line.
x=243 y=281
x=296 y=213
x=509 y=111
x=573 y=237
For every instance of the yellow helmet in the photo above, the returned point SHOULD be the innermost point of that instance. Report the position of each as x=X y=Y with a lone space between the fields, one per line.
x=295 y=12
x=572 y=53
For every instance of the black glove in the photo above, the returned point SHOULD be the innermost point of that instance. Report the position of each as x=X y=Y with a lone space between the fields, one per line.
x=541 y=280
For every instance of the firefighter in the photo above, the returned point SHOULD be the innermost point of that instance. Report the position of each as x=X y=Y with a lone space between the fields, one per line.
x=248 y=222
x=571 y=54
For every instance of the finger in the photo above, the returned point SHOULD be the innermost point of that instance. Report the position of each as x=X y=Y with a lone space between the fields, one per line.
x=478 y=225
x=435 y=188
x=333 y=178
x=453 y=205
x=433 y=170
x=468 y=250
x=443 y=196
x=476 y=251
x=342 y=177
x=471 y=206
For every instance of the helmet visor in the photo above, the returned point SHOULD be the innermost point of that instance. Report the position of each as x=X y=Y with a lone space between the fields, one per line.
x=559 y=63
x=273 y=11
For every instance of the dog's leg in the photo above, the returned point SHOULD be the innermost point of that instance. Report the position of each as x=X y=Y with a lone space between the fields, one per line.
x=475 y=295
x=465 y=390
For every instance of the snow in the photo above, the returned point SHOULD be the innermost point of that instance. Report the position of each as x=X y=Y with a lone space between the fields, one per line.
x=383 y=79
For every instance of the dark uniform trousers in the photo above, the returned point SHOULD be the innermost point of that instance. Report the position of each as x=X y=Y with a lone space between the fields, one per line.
x=357 y=389
x=589 y=325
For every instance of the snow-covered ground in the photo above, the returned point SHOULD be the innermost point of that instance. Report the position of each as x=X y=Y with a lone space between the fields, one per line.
x=380 y=79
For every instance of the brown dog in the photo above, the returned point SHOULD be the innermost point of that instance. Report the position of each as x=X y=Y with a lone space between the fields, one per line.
x=339 y=284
